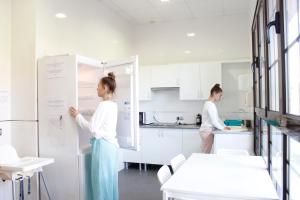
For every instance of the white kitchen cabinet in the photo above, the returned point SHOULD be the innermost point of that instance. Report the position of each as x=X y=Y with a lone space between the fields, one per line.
x=145 y=78
x=235 y=140
x=210 y=74
x=165 y=76
x=189 y=81
x=191 y=142
x=159 y=146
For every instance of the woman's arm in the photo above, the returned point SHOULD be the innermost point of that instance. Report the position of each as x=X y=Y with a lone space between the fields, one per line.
x=92 y=125
x=214 y=117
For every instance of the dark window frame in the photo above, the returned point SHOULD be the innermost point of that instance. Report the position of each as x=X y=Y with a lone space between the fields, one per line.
x=287 y=123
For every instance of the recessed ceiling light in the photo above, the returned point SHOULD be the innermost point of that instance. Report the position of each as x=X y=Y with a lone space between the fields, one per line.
x=164 y=0
x=191 y=34
x=187 y=52
x=60 y=15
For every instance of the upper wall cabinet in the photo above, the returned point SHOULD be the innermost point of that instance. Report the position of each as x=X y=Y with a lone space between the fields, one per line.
x=210 y=74
x=189 y=78
x=193 y=79
x=145 y=76
x=165 y=76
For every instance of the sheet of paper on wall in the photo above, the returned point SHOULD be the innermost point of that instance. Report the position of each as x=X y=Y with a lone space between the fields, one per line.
x=57 y=107
x=55 y=70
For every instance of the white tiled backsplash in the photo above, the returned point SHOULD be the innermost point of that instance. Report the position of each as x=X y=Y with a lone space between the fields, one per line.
x=166 y=106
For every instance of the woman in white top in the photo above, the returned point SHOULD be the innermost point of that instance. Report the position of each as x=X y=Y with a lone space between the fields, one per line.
x=103 y=167
x=210 y=119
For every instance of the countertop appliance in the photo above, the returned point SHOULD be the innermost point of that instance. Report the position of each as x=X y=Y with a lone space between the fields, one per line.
x=142 y=118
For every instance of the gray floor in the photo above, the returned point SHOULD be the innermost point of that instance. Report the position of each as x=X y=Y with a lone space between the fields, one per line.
x=139 y=185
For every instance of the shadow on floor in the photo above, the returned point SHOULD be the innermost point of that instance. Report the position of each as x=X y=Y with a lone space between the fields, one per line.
x=139 y=185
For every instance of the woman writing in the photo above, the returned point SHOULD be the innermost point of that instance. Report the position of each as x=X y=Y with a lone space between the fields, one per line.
x=210 y=119
x=102 y=128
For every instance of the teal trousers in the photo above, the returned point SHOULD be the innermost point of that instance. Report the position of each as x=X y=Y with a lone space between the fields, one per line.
x=102 y=171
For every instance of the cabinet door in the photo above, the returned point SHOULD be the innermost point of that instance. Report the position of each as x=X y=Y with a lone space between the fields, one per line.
x=189 y=79
x=210 y=73
x=165 y=76
x=161 y=145
x=126 y=96
x=191 y=142
x=243 y=140
x=151 y=145
x=145 y=75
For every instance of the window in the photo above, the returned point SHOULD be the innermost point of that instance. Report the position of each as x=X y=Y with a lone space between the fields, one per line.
x=273 y=60
x=278 y=73
x=294 y=168
x=277 y=158
x=262 y=59
x=292 y=55
x=265 y=140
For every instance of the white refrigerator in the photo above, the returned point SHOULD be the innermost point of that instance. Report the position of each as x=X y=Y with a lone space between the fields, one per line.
x=71 y=80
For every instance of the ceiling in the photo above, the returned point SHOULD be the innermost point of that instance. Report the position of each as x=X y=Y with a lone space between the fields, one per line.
x=151 y=11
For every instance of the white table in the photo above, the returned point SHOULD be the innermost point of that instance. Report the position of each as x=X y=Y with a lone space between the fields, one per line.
x=215 y=177
x=24 y=167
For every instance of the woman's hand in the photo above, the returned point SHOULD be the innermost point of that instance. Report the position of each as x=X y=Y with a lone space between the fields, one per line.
x=73 y=112
x=227 y=128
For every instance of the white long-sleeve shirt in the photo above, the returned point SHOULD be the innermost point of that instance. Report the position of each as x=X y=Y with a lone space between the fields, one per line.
x=210 y=118
x=103 y=123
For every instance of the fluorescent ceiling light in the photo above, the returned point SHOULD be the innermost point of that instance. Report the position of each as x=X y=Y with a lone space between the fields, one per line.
x=60 y=15
x=164 y=0
x=190 y=34
x=187 y=52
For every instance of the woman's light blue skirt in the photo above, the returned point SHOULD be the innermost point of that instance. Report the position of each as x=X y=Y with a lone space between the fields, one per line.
x=102 y=171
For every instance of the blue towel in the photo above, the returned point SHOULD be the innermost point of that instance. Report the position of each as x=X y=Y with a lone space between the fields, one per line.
x=102 y=171
x=233 y=122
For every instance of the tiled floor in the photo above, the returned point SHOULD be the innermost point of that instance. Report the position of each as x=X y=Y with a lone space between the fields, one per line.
x=139 y=185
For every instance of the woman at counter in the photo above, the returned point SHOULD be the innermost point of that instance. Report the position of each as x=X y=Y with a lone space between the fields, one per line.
x=210 y=119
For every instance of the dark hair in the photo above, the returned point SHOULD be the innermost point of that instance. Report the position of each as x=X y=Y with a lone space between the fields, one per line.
x=216 y=89
x=109 y=81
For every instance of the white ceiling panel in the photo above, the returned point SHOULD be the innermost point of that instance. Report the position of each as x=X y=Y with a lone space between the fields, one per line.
x=145 y=11
x=132 y=5
x=144 y=16
x=235 y=6
x=178 y=11
x=200 y=8
x=158 y=3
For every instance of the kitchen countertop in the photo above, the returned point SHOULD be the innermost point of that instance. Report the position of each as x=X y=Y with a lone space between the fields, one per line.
x=171 y=126
x=235 y=130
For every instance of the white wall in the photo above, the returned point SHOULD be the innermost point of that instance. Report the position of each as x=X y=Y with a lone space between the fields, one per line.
x=89 y=30
x=5 y=83
x=217 y=38
x=5 y=67
x=23 y=75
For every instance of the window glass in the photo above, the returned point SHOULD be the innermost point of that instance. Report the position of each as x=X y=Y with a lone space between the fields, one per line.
x=292 y=54
x=265 y=141
x=293 y=80
x=291 y=21
x=294 y=168
x=262 y=58
x=274 y=88
x=277 y=156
